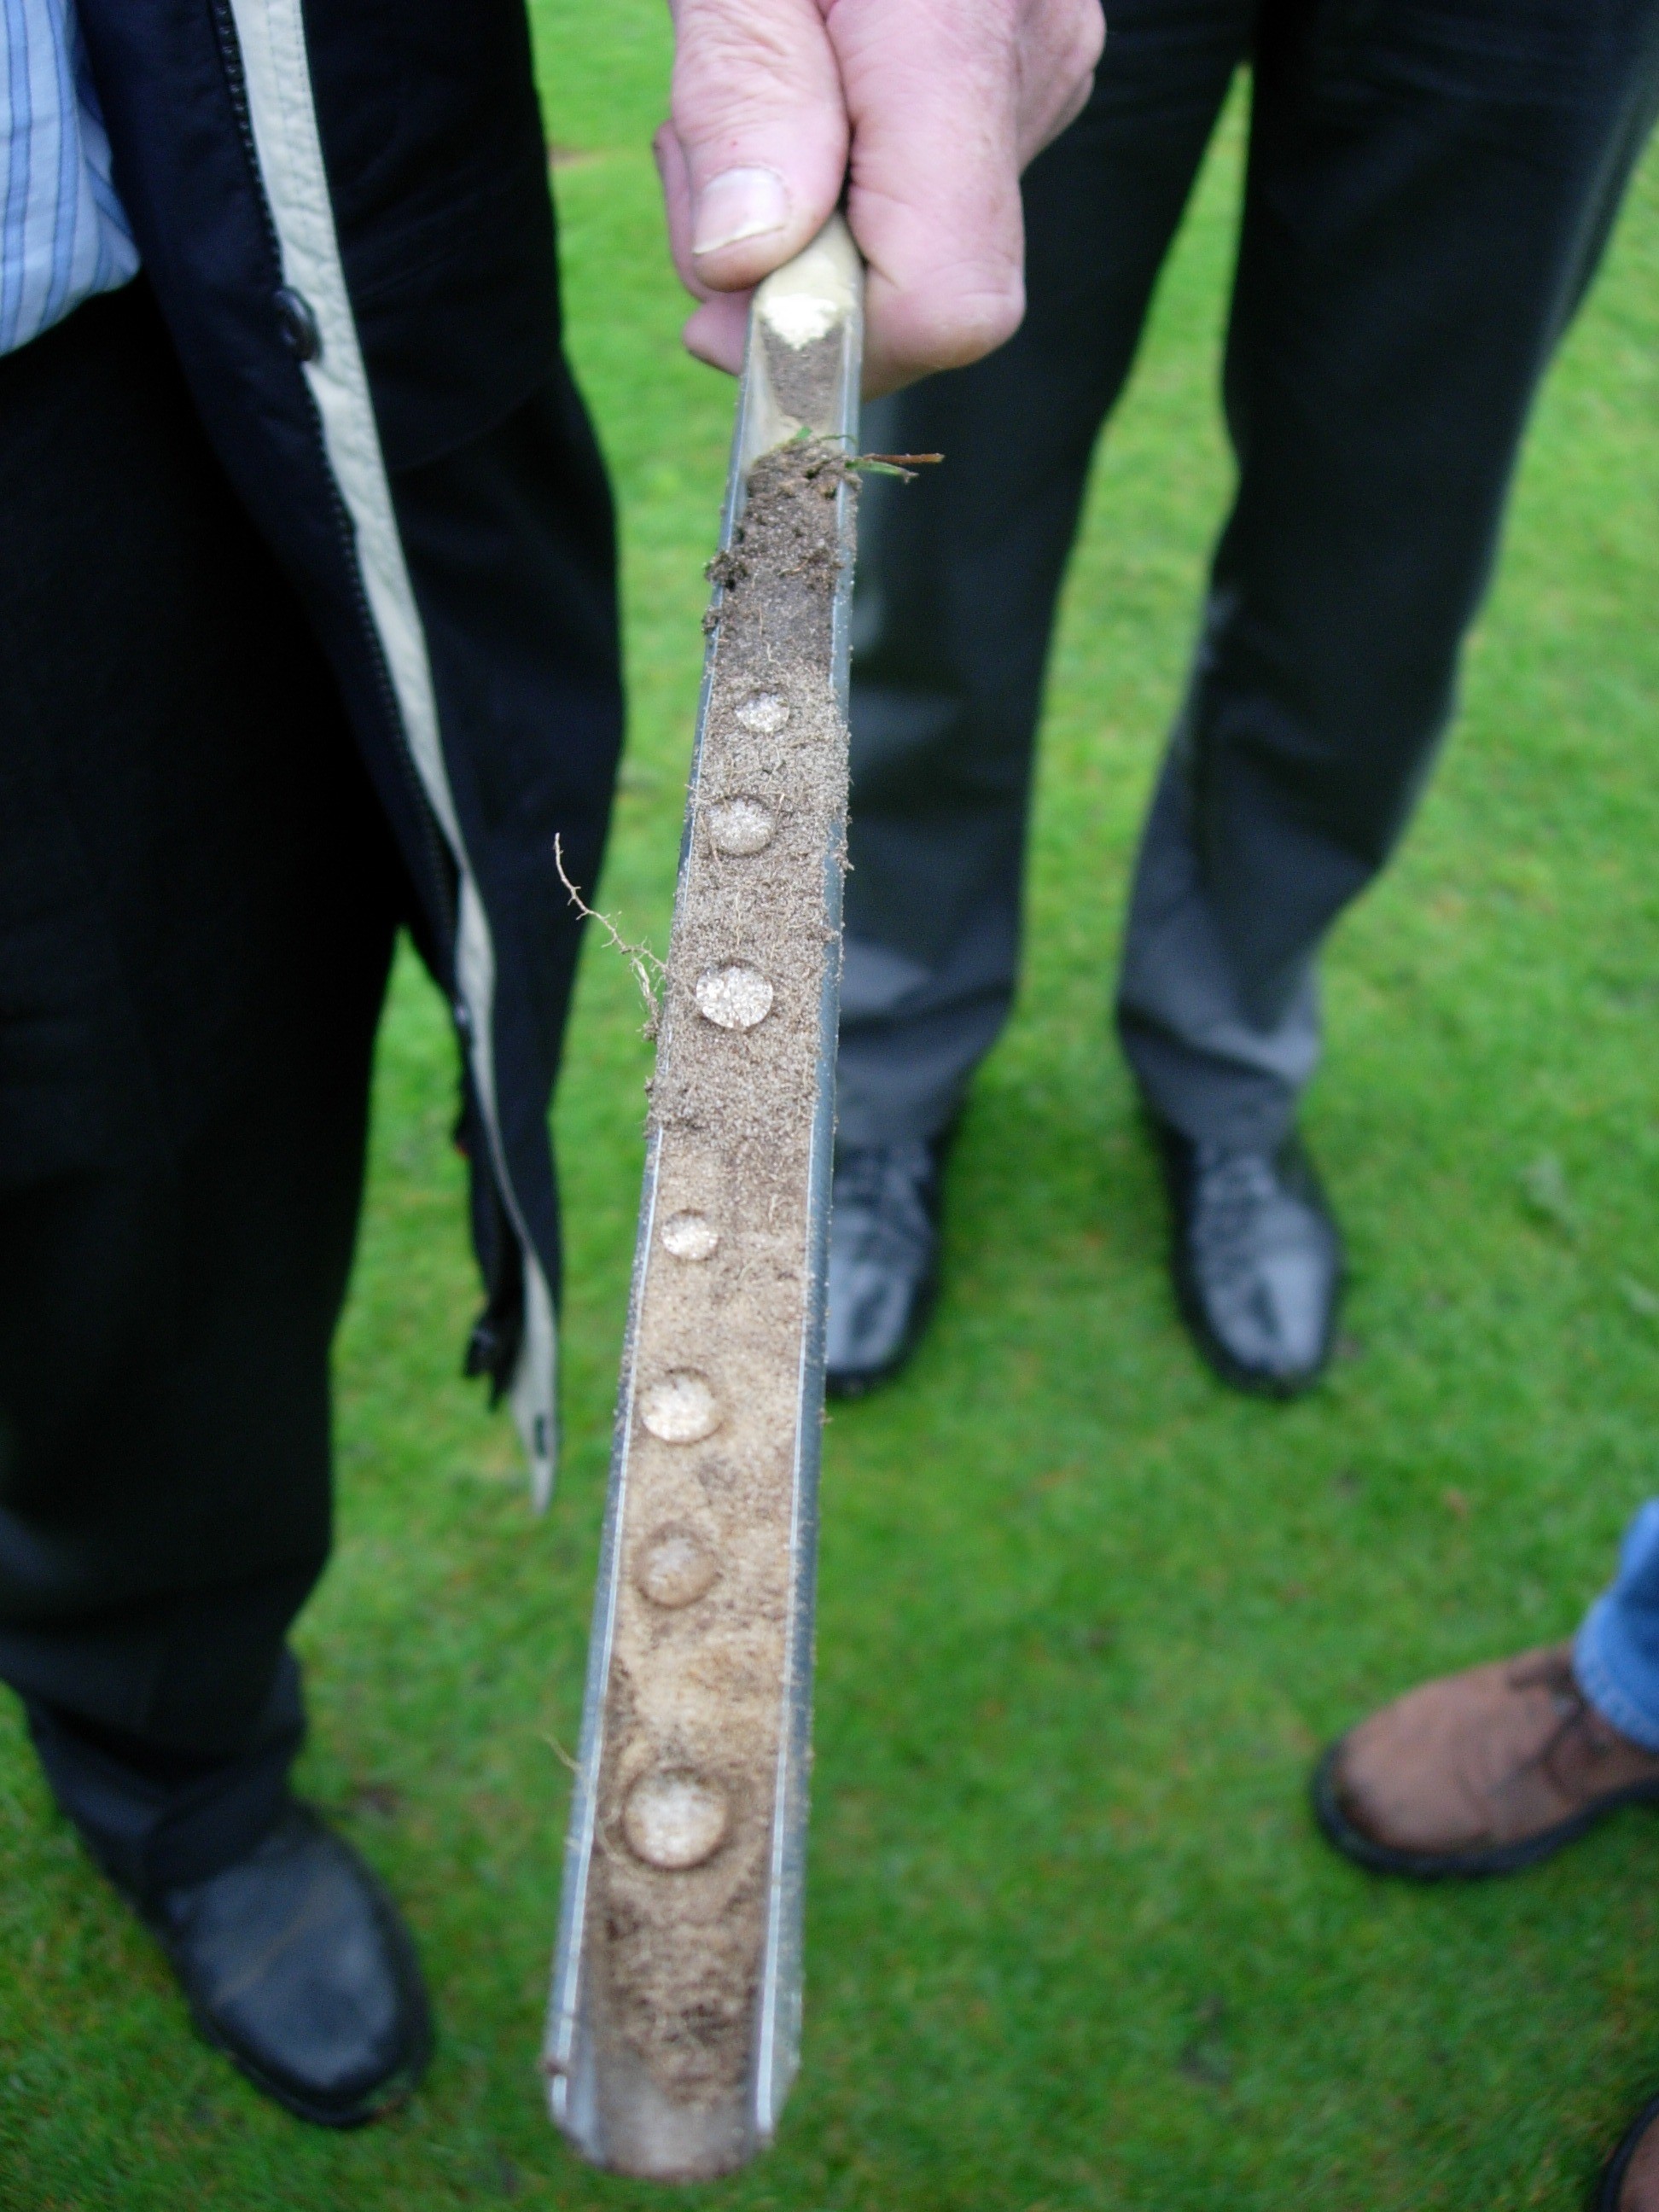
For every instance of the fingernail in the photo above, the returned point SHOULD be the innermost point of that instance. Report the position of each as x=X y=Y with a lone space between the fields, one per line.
x=737 y=204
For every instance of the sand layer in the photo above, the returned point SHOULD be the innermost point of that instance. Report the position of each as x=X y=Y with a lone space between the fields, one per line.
x=695 y=1699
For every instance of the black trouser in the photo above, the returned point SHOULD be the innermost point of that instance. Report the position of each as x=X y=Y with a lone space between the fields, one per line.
x=1430 y=184
x=197 y=907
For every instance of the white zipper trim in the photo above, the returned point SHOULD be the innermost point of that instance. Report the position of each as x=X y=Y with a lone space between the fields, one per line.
x=284 y=118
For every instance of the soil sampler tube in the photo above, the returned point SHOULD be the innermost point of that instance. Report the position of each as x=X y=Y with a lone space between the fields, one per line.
x=676 y=2010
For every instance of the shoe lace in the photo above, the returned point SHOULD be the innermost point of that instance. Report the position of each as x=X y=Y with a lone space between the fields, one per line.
x=1237 y=1188
x=879 y=1196
x=1576 y=1718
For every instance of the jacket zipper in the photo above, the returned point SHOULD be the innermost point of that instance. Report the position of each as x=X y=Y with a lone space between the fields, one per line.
x=441 y=867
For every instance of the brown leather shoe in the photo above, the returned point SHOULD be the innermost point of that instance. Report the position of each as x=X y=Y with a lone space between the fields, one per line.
x=1479 y=1773
x=1631 y=2183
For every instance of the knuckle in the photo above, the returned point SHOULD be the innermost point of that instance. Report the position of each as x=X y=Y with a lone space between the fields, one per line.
x=971 y=325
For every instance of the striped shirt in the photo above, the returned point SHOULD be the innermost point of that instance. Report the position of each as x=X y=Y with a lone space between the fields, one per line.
x=64 y=233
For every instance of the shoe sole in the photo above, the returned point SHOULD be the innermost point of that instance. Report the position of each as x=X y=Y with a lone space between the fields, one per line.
x=1612 y=2183
x=1455 y=1865
x=380 y=2105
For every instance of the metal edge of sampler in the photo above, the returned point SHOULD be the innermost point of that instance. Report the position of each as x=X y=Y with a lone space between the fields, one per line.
x=827 y=275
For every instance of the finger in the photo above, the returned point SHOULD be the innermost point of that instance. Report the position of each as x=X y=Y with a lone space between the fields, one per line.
x=933 y=199
x=1060 y=42
x=717 y=331
x=913 y=329
x=947 y=102
x=760 y=121
x=677 y=205
x=1036 y=134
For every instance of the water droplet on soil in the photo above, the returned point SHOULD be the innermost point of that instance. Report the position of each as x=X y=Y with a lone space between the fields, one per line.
x=681 y=1409
x=689 y=1237
x=674 y=1821
x=763 y=712
x=741 y=825
x=734 y=998
x=676 y=1569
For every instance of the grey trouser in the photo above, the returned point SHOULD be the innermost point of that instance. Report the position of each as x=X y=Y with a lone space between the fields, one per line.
x=1429 y=190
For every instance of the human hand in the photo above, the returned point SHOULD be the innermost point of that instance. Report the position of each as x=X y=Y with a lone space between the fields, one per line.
x=927 y=110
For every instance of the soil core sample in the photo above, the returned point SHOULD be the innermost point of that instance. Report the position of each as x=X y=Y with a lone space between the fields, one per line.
x=679 y=1978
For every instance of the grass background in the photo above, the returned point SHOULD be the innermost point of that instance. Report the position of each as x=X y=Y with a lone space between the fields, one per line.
x=1085 y=1617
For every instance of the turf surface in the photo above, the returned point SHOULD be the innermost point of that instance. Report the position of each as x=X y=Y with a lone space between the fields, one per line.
x=1086 y=1618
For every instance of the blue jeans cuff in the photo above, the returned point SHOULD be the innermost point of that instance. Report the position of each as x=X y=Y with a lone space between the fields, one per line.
x=1601 y=1669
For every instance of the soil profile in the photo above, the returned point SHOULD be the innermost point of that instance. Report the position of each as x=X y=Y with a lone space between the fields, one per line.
x=694 y=1704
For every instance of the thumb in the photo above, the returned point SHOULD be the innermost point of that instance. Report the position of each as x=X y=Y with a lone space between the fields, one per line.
x=760 y=124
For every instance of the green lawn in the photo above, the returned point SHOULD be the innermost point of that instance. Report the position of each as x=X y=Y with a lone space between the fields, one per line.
x=1085 y=1617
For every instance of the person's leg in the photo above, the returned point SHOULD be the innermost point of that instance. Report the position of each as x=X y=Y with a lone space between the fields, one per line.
x=1426 y=200
x=1498 y=1767
x=1494 y=1768
x=958 y=574
x=195 y=911
x=1615 y=1655
x=196 y=905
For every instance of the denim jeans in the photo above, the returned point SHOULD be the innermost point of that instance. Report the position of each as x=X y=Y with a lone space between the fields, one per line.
x=1616 y=1657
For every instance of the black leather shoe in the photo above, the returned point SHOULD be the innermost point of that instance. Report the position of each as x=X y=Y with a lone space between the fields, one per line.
x=1257 y=1261
x=298 y=1966
x=884 y=1261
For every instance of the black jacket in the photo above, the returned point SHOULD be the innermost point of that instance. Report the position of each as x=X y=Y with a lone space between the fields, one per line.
x=343 y=208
